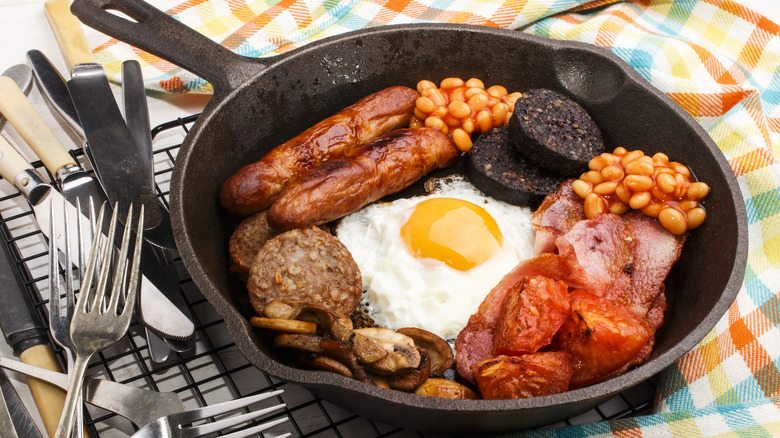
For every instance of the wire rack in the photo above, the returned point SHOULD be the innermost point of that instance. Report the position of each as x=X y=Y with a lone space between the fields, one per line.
x=214 y=370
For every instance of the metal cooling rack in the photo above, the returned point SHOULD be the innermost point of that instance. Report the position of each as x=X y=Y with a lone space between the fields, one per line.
x=213 y=371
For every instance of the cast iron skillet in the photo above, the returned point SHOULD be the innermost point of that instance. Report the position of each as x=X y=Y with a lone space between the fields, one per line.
x=259 y=103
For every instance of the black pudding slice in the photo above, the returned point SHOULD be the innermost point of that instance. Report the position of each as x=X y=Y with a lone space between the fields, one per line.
x=555 y=132
x=494 y=166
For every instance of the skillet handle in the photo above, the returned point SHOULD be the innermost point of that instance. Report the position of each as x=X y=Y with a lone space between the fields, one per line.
x=159 y=34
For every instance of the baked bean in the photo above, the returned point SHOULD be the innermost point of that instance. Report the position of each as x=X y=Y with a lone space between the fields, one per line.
x=474 y=91
x=499 y=111
x=639 y=183
x=416 y=122
x=612 y=172
x=437 y=123
x=597 y=163
x=458 y=94
x=459 y=109
x=623 y=193
x=497 y=91
x=666 y=182
x=688 y=204
x=698 y=191
x=652 y=184
x=681 y=169
x=695 y=217
x=468 y=125
x=478 y=101
x=640 y=200
x=594 y=205
x=673 y=221
x=451 y=83
x=652 y=209
x=475 y=83
x=451 y=121
x=593 y=177
x=425 y=104
x=618 y=207
x=462 y=139
x=639 y=168
x=605 y=188
x=582 y=188
x=424 y=85
x=485 y=121
x=630 y=156
x=660 y=156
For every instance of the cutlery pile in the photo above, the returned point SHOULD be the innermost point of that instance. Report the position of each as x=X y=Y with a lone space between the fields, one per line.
x=72 y=230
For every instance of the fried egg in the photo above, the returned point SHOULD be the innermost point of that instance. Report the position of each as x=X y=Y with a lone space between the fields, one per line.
x=429 y=261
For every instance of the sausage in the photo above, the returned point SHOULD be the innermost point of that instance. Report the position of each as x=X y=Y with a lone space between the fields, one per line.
x=256 y=186
x=387 y=165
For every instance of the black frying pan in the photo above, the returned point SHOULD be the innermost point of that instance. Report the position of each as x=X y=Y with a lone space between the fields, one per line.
x=259 y=103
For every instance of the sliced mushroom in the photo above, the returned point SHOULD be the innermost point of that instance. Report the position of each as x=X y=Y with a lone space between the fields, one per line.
x=301 y=342
x=402 y=354
x=344 y=354
x=407 y=381
x=284 y=325
x=324 y=363
x=438 y=349
x=435 y=387
x=337 y=325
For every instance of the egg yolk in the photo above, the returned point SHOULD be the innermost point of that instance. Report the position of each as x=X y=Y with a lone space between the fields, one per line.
x=456 y=232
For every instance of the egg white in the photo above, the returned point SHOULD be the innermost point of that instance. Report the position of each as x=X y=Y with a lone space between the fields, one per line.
x=406 y=291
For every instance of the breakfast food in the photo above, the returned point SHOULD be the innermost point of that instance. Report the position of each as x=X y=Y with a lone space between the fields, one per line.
x=305 y=265
x=496 y=168
x=402 y=359
x=554 y=132
x=658 y=187
x=247 y=239
x=338 y=187
x=531 y=375
x=534 y=303
x=462 y=108
x=254 y=187
x=614 y=267
x=555 y=217
x=428 y=261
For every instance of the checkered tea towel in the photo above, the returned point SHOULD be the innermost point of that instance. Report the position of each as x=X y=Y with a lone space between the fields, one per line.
x=718 y=59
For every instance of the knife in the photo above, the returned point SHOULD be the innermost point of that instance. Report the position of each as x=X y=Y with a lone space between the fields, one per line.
x=157 y=312
x=26 y=333
x=156 y=309
x=22 y=75
x=15 y=421
x=137 y=120
x=109 y=141
x=109 y=395
x=54 y=88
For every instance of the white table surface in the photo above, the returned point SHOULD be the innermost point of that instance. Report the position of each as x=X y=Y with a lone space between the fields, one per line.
x=23 y=26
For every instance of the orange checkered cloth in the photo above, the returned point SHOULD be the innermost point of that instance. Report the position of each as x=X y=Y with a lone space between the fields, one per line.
x=718 y=59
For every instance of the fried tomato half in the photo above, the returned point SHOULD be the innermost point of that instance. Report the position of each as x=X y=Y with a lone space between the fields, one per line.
x=601 y=335
x=530 y=375
x=534 y=310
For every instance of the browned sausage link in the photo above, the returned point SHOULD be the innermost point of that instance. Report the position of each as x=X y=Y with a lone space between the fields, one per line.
x=255 y=187
x=387 y=165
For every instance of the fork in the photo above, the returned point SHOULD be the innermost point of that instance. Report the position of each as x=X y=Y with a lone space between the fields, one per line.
x=96 y=324
x=59 y=319
x=180 y=425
